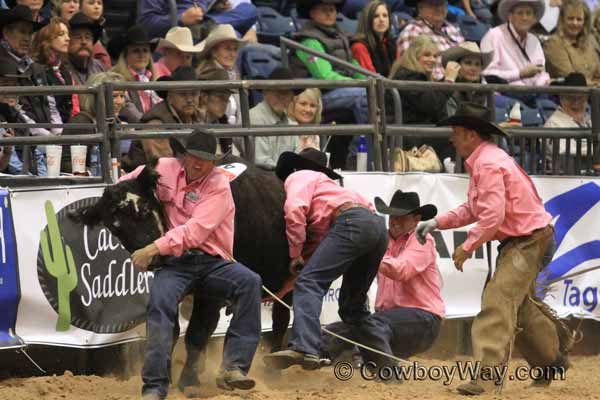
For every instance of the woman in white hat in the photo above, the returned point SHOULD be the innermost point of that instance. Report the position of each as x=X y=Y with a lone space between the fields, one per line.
x=463 y=64
x=177 y=49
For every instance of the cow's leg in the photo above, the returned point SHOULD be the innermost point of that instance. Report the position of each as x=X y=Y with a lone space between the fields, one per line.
x=281 y=321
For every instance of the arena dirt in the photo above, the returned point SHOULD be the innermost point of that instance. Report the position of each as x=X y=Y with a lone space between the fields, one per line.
x=583 y=382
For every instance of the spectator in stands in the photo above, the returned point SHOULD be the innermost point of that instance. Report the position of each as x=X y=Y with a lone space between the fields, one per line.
x=84 y=33
x=431 y=21
x=87 y=115
x=34 y=5
x=178 y=107
x=571 y=48
x=373 y=46
x=50 y=49
x=470 y=62
x=177 y=49
x=65 y=9
x=94 y=9
x=518 y=55
x=322 y=33
x=596 y=29
x=134 y=52
x=220 y=50
x=572 y=113
x=306 y=108
x=155 y=14
x=273 y=111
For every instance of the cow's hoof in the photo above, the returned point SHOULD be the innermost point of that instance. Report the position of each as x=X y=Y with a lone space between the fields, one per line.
x=234 y=379
x=286 y=358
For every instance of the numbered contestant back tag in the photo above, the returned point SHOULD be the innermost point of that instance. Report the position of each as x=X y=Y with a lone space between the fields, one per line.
x=232 y=170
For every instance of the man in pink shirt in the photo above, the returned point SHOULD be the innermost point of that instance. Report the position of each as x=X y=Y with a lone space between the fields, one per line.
x=198 y=247
x=409 y=306
x=504 y=205
x=337 y=232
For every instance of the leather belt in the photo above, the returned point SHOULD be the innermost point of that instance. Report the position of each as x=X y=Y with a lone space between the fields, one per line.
x=509 y=239
x=345 y=207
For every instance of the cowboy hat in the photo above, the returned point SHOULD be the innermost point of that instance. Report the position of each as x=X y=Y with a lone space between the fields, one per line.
x=473 y=116
x=467 y=49
x=181 y=73
x=404 y=203
x=137 y=34
x=282 y=74
x=304 y=6
x=16 y=14
x=215 y=74
x=311 y=159
x=198 y=144
x=82 y=21
x=505 y=7
x=222 y=33
x=573 y=79
x=179 y=38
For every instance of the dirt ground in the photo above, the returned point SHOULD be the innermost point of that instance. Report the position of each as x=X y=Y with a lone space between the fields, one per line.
x=582 y=382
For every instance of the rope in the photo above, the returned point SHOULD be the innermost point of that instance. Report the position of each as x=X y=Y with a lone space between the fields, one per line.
x=22 y=350
x=397 y=359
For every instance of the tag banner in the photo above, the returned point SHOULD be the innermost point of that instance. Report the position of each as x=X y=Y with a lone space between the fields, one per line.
x=77 y=286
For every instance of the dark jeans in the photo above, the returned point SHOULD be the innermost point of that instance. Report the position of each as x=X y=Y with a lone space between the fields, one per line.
x=400 y=331
x=209 y=278
x=353 y=248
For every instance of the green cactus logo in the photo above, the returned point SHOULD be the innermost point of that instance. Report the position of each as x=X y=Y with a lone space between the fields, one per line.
x=59 y=262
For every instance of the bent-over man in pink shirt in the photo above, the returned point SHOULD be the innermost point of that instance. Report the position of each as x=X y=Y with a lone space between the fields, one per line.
x=408 y=308
x=200 y=211
x=504 y=205
x=337 y=232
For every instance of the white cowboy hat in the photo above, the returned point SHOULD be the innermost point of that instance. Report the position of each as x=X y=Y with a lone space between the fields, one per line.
x=222 y=33
x=179 y=38
x=506 y=6
x=467 y=49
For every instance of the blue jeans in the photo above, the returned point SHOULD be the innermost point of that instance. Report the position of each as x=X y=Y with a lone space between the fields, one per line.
x=242 y=18
x=353 y=248
x=213 y=278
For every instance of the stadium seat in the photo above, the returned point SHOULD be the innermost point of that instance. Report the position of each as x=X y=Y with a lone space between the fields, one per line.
x=546 y=108
x=472 y=29
x=399 y=21
x=257 y=62
x=272 y=25
x=346 y=24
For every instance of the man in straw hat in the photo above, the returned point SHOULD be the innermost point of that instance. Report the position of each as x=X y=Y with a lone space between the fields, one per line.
x=177 y=49
x=518 y=55
x=198 y=248
x=336 y=231
x=504 y=205
x=409 y=306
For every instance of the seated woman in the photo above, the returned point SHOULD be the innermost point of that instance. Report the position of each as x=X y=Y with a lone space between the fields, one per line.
x=425 y=106
x=466 y=61
x=571 y=48
x=306 y=108
x=373 y=46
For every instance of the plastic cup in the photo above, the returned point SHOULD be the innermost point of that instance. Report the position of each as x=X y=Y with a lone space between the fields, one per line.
x=53 y=158
x=78 y=154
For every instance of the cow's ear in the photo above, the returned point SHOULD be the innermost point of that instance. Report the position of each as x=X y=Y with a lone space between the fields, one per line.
x=148 y=178
x=91 y=215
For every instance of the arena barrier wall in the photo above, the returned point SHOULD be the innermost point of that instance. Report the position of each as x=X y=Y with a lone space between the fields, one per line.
x=76 y=287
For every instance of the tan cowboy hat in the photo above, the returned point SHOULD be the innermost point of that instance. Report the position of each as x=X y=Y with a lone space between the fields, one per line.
x=179 y=38
x=220 y=34
x=506 y=6
x=467 y=49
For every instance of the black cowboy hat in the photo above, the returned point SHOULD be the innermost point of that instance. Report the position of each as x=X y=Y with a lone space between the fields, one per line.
x=137 y=34
x=181 y=73
x=404 y=203
x=573 y=79
x=215 y=74
x=311 y=159
x=473 y=116
x=16 y=14
x=304 y=6
x=281 y=74
x=80 y=20
x=198 y=144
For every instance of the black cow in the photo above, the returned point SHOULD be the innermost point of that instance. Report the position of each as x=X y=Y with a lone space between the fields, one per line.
x=133 y=213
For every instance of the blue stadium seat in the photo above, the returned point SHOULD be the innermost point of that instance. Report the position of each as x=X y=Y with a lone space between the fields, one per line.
x=396 y=27
x=472 y=29
x=531 y=116
x=272 y=25
x=346 y=24
x=258 y=61
x=546 y=108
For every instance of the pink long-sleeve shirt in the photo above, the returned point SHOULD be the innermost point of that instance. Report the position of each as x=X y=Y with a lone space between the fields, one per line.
x=409 y=277
x=200 y=214
x=311 y=198
x=508 y=59
x=502 y=200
